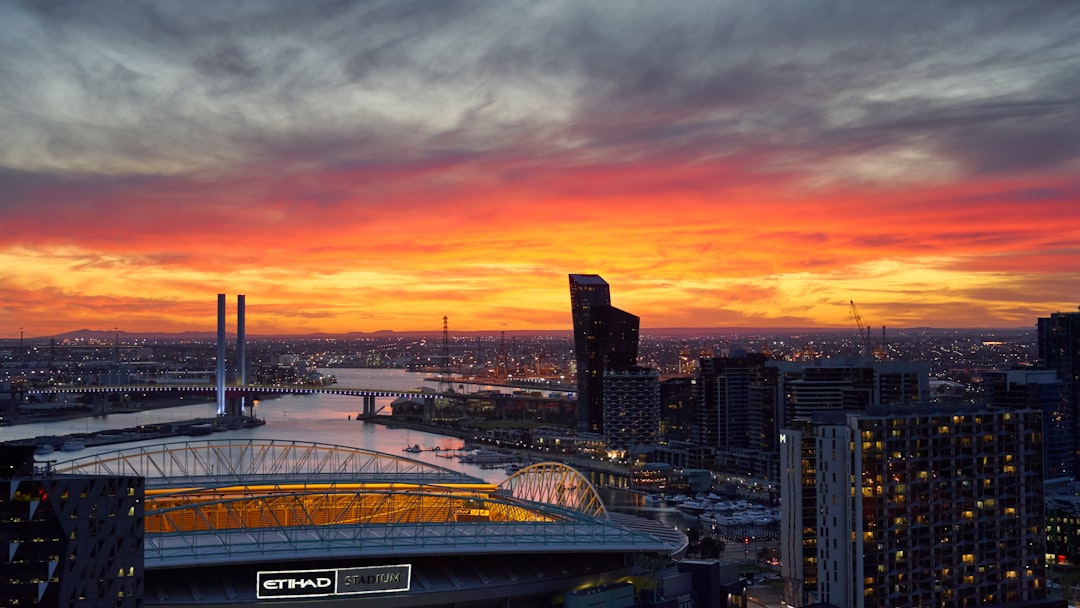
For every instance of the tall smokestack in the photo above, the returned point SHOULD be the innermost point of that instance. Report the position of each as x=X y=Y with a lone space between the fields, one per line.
x=241 y=347
x=221 y=354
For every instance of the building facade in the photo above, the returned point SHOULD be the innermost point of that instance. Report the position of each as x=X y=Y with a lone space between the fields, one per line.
x=70 y=540
x=736 y=413
x=631 y=408
x=1059 y=350
x=806 y=388
x=1042 y=390
x=605 y=339
x=918 y=506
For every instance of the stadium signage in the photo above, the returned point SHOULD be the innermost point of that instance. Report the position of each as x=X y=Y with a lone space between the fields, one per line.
x=379 y=579
x=337 y=581
x=295 y=583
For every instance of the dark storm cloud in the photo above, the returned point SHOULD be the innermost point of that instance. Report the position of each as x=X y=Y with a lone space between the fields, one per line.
x=346 y=82
x=788 y=67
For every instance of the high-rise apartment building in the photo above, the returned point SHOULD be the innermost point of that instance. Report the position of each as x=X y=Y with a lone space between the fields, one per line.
x=1059 y=350
x=915 y=506
x=847 y=385
x=70 y=540
x=605 y=339
x=1043 y=390
x=676 y=407
x=631 y=408
x=742 y=401
x=736 y=413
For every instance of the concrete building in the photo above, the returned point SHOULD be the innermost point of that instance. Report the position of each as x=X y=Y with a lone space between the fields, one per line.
x=915 y=506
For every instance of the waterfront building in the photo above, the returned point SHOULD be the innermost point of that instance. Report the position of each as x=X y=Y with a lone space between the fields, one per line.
x=70 y=539
x=651 y=476
x=916 y=506
x=631 y=408
x=605 y=339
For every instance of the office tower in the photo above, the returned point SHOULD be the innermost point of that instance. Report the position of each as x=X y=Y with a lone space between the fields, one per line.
x=1043 y=390
x=605 y=338
x=631 y=408
x=1059 y=350
x=70 y=540
x=917 y=506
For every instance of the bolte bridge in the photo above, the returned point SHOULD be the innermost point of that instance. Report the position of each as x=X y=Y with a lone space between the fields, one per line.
x=235 y=393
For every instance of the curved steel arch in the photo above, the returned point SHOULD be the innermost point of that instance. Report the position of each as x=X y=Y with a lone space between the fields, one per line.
x=222 y=530
x=556 y=484
x=219 y=462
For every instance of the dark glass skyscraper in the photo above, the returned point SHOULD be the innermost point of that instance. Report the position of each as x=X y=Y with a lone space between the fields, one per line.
x=1059 y=350
x=605 y=338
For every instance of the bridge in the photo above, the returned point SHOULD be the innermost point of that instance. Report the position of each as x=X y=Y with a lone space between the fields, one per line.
x=231 y=398
x=235 y=392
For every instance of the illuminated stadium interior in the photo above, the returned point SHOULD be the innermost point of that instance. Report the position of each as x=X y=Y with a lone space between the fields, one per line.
x=261 y=505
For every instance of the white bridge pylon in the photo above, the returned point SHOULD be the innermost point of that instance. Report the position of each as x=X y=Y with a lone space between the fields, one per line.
x=556 y=484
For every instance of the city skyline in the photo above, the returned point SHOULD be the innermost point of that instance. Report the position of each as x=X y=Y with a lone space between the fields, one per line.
x=363 y=167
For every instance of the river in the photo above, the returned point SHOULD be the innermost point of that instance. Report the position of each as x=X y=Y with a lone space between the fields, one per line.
x=329 y=419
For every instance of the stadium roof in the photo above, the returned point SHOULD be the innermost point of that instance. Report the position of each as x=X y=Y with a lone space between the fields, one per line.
x=223 y=501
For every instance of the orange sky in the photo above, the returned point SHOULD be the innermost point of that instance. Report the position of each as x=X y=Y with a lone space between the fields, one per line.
x=345 y=183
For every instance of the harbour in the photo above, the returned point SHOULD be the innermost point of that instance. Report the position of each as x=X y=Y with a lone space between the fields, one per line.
x=330 y=419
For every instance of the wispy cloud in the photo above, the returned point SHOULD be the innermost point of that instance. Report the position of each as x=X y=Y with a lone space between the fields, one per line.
x=763 y=161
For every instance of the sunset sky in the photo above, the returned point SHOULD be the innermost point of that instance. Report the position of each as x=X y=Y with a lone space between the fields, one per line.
x=365 y=166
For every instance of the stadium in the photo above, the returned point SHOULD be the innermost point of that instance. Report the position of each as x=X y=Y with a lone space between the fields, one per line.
x=292 y=523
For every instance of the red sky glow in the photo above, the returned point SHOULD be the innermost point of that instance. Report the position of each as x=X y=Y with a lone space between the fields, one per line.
x=376 y=166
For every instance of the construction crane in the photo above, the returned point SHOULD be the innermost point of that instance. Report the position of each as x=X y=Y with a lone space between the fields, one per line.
x=864 y=335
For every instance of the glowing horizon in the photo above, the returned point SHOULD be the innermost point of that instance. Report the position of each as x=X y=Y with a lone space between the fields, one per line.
x=380 y=166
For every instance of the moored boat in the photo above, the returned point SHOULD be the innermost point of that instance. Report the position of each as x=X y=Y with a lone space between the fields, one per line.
x=692 y=506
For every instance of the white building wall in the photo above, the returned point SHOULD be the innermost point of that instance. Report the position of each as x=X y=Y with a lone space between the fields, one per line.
x=834 y=516
x=791 y=516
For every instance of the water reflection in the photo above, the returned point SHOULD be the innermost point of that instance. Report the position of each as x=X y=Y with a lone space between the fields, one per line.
x=331 y=419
